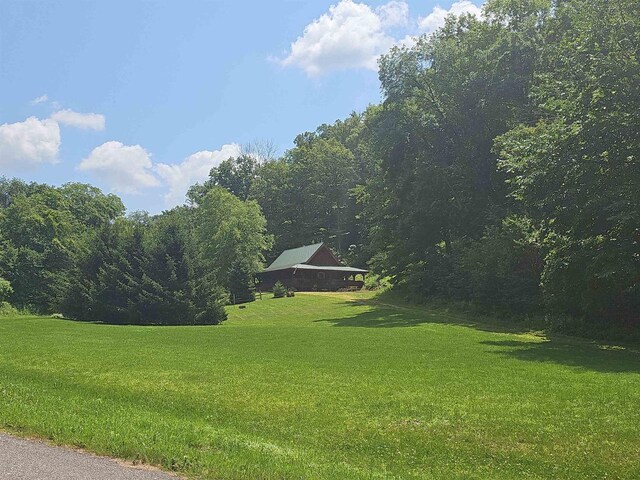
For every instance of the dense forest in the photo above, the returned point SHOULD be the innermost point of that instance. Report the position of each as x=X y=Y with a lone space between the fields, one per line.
x=502 y=168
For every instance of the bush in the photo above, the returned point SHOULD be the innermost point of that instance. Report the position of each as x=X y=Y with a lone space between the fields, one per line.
x=212 y=314
x=376 y=282
x=279 y=290
x=6 y=309
x=593 y=278
x=5 y=290
x=501 y=269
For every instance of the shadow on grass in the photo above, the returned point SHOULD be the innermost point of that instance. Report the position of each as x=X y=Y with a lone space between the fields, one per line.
x=571 y=352
x=131 y=324
x=392 y=315
x=563 y=350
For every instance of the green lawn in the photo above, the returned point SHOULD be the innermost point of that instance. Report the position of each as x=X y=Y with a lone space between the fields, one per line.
x=327 y=386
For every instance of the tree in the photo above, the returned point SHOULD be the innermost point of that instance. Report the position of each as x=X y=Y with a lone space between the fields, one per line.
x=227 y=229
x=446 y=99
x=235 y=174
x=273 y=189
x=241 y=281
x=576 y=170
x=43 y=231
x=40 y=241
x=165 y=295
x=323 y=173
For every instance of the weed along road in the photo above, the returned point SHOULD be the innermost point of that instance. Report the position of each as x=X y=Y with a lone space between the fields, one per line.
x=33 y=460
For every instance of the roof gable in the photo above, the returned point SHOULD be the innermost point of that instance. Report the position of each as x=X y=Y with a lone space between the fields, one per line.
x=294 y=256
x=324 y=257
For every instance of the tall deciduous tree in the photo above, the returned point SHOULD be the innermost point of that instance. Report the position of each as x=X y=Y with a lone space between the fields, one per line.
x=446 y=99
x=577 y=170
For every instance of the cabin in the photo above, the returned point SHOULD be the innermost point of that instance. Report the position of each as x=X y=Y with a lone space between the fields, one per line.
x=311 y=268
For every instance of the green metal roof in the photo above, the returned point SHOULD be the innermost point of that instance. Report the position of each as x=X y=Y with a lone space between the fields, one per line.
x=289 y=258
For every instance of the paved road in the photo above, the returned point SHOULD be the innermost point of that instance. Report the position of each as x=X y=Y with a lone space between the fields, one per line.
x=33 y=460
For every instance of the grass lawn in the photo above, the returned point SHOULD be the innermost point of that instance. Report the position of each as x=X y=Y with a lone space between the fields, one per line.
x=327 y=386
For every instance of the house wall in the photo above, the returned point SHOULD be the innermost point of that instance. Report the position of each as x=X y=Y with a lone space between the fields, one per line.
x=308 y=280
x=269 y=279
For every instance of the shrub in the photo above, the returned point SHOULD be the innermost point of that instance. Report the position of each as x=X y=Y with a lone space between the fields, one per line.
x=279 y=290
x=212 y=314
x=5 y=290
x=6 y=309
x=503 y=268
x=376 y=282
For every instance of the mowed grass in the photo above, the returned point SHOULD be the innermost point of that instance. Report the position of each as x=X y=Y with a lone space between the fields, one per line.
x=327 y=386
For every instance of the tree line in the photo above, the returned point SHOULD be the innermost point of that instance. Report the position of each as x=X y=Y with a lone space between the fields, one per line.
x=71 y=250
x=501 y=168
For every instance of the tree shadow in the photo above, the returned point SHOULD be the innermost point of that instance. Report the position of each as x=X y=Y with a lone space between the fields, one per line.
x=571 y=352
x=378 y=318
x=387 y=315
x=563 y=350
x=129 y=324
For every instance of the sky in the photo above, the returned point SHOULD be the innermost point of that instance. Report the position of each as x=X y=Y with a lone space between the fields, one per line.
x=143 y=98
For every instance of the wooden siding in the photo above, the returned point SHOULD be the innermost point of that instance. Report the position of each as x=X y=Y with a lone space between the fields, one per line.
x=323 y=257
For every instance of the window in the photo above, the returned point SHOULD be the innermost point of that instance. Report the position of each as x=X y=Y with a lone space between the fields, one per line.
x=320 y=275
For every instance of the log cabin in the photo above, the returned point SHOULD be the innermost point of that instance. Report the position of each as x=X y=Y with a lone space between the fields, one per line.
x=311 y=268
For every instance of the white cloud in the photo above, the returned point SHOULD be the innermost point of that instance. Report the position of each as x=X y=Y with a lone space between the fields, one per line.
x=129 y=169
x=195 y=168
x=40 y=99
x=394 y=13
x=91 y=121
x=29 y=143
x=436 y=18
x=354 y=35
x=126 y=168
x=349 y=35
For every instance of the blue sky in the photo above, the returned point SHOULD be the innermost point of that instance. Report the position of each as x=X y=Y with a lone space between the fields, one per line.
x=141 y=98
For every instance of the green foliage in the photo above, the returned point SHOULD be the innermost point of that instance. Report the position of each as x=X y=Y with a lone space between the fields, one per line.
x=174 y=269
x=69 y=249
x=503 y=267
x=376 y=282
x=241 y=282
x=529 y=113
x=324 y=171
x=43 y=231
x=275 y=192
x=235 y=175
x=6 y=310
x=446 y=99
x=279 y=290
x=227 y=229
x=5 y=290
x=308 y=194
x=577 y=169
x=165 y=286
